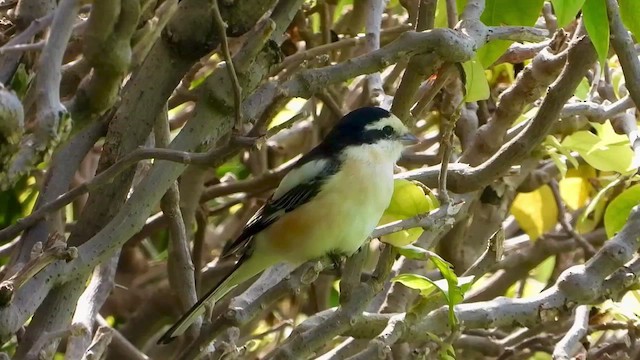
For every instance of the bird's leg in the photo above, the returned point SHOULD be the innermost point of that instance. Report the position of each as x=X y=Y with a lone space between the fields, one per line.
x=336 y=259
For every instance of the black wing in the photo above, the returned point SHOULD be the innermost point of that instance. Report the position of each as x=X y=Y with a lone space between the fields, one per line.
x=274 y=209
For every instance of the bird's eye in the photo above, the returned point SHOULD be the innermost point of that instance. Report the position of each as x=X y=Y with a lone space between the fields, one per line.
x=387 y=130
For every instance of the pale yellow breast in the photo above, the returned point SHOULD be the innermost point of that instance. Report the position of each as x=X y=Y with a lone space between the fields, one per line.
x=339 y=218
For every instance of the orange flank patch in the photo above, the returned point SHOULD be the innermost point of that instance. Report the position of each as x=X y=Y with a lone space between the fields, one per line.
x=285 y=235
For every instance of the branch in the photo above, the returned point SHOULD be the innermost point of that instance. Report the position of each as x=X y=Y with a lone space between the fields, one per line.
x=246 y=307
x=106 y=176
x=372 y=43
x=121 y=345
x=254 y=58
x=43 y=100
x=88 y=307
x=566 y=348
x=563 y=216
x=8 y=63
x=111 y=26
x=221 y=28
x=625 y=49
x=418 y=67
x=54 y=249
x=447 y=45
x=179 y=264
x=530 y=85
x=517 y=33
x=305 y=340
x=464 y=179
x=435 y=219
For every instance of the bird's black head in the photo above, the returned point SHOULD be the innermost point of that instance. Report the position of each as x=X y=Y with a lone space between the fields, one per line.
x=366 y=125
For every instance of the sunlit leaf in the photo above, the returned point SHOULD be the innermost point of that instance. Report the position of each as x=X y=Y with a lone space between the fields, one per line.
x=503 y=12
x=629 y=12
x=606 y=151
x=544 y=270
x=552 y=141
x=417 y=282
x=441 y=15
x=594 y=14
x=476 y=85
x=415 y=252
x=575 y=187
x=535 y=211
x=582 y=91
x=234 y=166
x=20 y=81
x=559 y=162
x=408 y=200
x=293 y=107
x=566 y=10
x=619 y=209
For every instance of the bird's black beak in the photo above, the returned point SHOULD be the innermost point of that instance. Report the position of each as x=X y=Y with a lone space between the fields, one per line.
x=408 y=139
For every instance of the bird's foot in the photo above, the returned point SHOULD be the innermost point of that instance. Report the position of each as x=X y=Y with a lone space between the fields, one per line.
x=336 y=260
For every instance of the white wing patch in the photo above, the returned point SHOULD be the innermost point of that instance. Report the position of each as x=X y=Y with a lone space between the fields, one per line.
x=300 y=175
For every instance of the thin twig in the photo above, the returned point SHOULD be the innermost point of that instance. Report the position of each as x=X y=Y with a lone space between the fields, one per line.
x=446 y=150
x=624 y=47
x=221 y=28
x=452 y=13
x=104 y=177
x=588 y=249
x=121 y=343
x=179 y=264
x=37 y=46
x=55 y=249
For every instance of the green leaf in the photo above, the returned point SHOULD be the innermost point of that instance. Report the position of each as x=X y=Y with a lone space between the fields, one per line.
x=234 y=166
x=425 y=285
x=566 y=10
x=20 y=81
x=630 y=12
x=594 y=14
x=441 y=12
x=441 y=15
x=606 y=151
x=476 y=85
x=453 y=293
x=505 y=12
x=619 y=209
x=415 y=252
x=408 y=200
x=582 y=91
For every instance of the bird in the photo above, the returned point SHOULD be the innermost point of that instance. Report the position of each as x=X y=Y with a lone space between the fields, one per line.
x=327 y=205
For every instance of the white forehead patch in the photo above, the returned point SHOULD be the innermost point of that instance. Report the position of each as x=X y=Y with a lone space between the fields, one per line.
x=392 y=121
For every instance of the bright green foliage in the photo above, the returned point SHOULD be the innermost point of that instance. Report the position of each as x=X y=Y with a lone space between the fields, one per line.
x=476 y=85
x=452 y=287
x=505 y=12
x=630 y=13
x=415 y=252
x=566 y=10
x=594 y=211
x=408 y=201
x=594 y=13
x=619 y=209
x=606 y=151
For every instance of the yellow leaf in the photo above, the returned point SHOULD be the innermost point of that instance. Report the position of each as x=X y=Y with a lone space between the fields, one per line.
x=575 y=188
x=408 y=200
x=536 y=211
x=293 y=107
